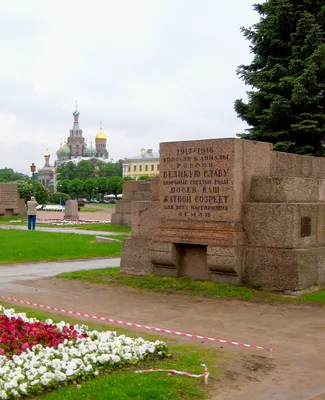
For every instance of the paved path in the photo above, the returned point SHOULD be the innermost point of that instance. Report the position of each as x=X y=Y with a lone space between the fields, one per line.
x=11 y=274
x=66 y=230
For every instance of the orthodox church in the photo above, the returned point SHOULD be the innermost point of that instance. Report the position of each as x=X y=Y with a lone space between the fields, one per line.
x=74 y=149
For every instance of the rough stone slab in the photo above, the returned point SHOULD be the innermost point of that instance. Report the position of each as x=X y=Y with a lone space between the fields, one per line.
x=136 y=257
x=282 y=269
x=285 y=190
x=279 y=224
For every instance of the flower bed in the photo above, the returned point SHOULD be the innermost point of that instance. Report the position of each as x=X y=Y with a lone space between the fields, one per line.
x=37 y=356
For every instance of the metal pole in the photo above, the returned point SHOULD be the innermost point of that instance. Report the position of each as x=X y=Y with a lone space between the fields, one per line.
x=33 y=178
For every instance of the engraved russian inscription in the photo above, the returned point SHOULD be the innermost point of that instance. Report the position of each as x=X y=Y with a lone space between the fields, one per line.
x=8 y=195
x=196 y=181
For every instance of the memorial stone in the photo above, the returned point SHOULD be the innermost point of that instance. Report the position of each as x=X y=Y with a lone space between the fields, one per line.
x=9 y=200
x=71 y=209
x=231 y=210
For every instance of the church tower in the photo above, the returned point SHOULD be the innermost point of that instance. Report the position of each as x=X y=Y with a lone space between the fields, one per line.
x=100 y=140
x=76 y=143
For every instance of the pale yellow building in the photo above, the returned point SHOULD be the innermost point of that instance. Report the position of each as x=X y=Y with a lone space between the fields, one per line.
x=147 y=164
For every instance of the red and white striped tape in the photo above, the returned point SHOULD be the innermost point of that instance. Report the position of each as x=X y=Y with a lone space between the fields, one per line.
x=133 y=325
x=205 y=374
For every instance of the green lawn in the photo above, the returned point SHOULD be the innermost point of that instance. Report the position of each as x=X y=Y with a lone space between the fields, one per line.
x=112 y=276
x=23 y=246
x=126 y=385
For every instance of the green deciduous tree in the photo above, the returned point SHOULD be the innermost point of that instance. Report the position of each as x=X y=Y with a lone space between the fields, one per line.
x=89 y=186
x=67 y=171
x=9 y=175
x=84 y=170
x=286 y=105
x=101 y=185
x=76 y=187
x=25 y=190
x=115 y=185
x=63 y=186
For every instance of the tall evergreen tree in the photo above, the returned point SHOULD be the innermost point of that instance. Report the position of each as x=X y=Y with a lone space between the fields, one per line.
x=286 y=105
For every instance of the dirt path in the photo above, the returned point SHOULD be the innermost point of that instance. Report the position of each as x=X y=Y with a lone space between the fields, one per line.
x=297 y=332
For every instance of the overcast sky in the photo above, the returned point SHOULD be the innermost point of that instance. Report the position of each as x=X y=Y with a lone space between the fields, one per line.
x=152 y=70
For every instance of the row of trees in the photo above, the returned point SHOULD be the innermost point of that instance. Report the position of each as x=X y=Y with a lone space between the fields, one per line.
x=86 y=169
x=9 y=175
x=91 y=188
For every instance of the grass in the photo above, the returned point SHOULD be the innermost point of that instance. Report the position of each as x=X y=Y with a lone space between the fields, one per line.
x=105 y=205
x=88 y=209
x=26 y=246
x=126 y=385
x=155 y=283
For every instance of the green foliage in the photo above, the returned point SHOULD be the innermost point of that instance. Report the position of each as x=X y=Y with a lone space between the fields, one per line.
x=56 y=197
x=9 y=175
x=101 y=185
x=286 y=105
x=25 y=190
x=76 y=187
x=3 y=180
x=144 y=178
x=115 y=185
x=63 y=186
x=89 y=187
x=86 y=169
x=67 y=171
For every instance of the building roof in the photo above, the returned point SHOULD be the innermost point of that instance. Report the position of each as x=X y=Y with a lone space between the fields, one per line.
x=145 y=155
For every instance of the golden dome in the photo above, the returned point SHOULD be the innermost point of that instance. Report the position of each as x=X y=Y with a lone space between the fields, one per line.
x=100 y=135
x=47 y=154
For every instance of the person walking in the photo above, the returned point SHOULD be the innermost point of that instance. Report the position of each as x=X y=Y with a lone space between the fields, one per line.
x=31 y=213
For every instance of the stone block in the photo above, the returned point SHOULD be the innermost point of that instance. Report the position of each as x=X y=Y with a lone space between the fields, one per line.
x=318 y=166
x=71 y=209
x=165 y=258
x=193 y=262
x=256 y=162
x=128 y=188
x=154 y=189
x=144 y=218
x=279 y=224
x=292 y=165
x=320 y=262
x=284 y=190
x=225 y=261
x=281 y=269
x=22 y=208
x=123 y=206
x=135 y=259
x=320 y=224
x=141 y=196
x=121 y=219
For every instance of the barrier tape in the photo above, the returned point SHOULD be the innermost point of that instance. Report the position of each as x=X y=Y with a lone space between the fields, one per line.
x=132 y=324
x=205 y=374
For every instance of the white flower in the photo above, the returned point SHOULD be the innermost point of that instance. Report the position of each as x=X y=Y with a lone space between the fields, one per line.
x=44 y=366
